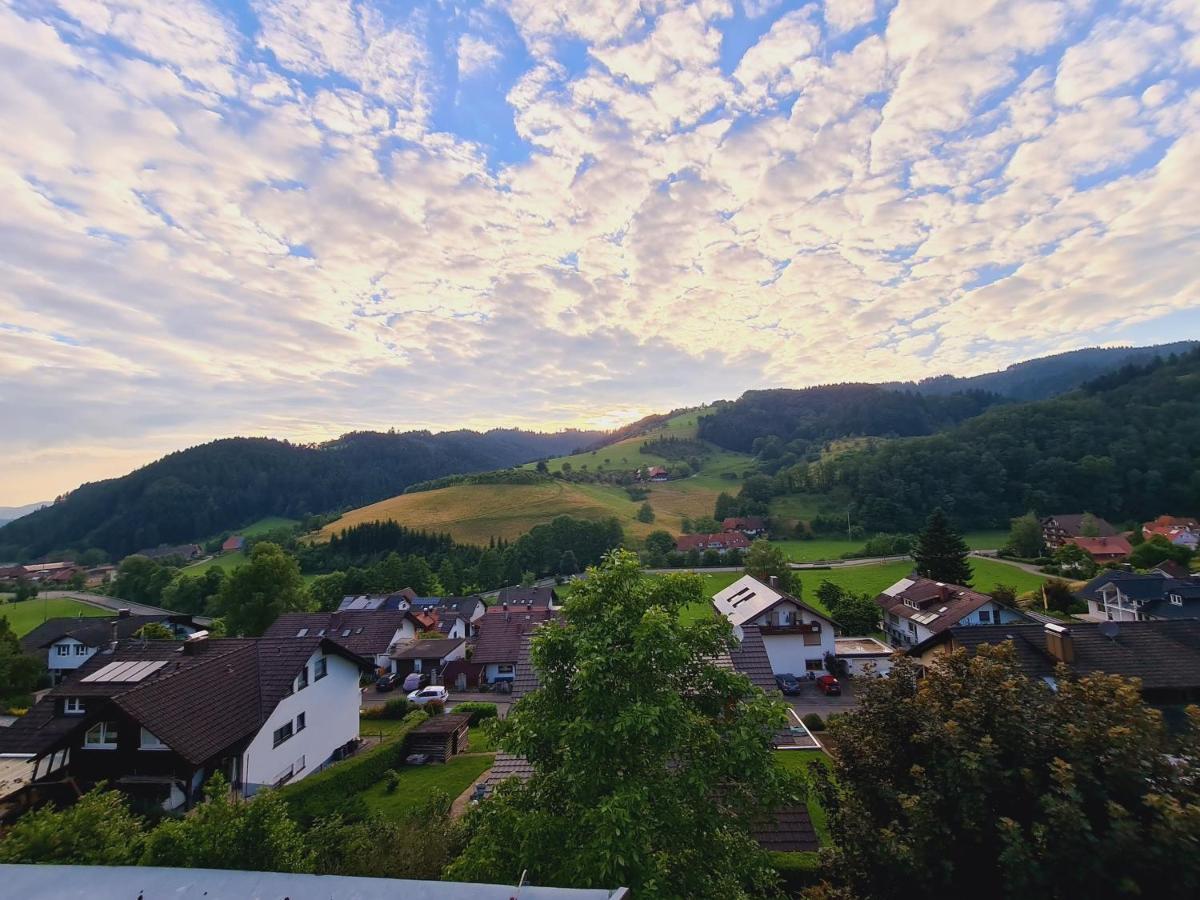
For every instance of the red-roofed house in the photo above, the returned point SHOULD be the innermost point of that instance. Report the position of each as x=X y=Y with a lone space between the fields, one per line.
x=722 y=543
x=233 y=544
x=748 y=525
x=1102 y=549
x=657 y=473
x=1183 y=532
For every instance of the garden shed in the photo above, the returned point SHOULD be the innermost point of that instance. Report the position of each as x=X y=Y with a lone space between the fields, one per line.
x=441 y=737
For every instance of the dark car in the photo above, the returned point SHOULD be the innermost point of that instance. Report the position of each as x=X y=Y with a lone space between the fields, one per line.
x=387 y=682
x=787 y=683
x=829 y=685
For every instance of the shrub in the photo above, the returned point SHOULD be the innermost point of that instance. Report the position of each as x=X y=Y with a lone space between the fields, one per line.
x=433 y=708
x=397 y=708
x=797 y=870
x=478 y=710
x=391 y=781
x=813 y=722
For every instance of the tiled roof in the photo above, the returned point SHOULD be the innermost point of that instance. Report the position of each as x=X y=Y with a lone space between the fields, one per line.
x=395 y=600
x=500 y=633
x=367 y=632
x=749 y=523
x=1165 y=655
x=444 y=724
x=1102 y=546
x=750 y=658
x=787 y=829
x=748 y=598
x=429 y=649
x=1152 y=592
x=93 y=631
x=726 y=540
x=532 y=597
x=1072 y=524
x=939 y=606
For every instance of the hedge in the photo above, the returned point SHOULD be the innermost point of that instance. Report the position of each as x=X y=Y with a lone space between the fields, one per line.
x=813 y=722
x=478 y=710
x=337 y=788
x=797 y=870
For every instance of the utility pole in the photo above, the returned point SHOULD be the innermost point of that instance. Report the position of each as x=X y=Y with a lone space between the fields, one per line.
x=848 y=524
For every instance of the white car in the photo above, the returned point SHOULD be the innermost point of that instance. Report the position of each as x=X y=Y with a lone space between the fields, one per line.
x=425 y=694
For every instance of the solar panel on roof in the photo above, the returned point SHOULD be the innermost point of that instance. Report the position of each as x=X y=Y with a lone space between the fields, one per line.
x=126 y=670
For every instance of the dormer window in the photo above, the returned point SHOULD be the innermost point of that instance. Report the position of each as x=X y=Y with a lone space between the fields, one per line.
x=81 y=650
x=911 y=604
x=101 y=736
x=1176 y=600
x=302 y=679
x=73 y=706
x=63 y=649
x=150 y=741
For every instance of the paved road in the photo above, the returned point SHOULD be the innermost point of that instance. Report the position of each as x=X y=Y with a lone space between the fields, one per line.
x=113 y=603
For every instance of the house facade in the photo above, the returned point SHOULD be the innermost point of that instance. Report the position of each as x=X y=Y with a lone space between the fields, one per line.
x=157 y=719
x=1056 y=529
x=722 y=543
x=915 y=609
x=499 y=644
x=1132 y=597
x=795 y=636
x=429 y=657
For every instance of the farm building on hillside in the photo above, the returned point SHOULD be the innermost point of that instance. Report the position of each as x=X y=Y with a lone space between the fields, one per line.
x=233 y=544
x=722 y=543
x=752 y=526
x=1056 y=529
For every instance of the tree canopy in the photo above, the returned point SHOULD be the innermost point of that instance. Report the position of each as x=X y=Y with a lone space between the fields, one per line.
x=765 y=560
x=941 y=553
x=257 y=593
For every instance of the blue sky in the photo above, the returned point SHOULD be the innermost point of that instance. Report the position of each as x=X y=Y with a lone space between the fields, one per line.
x=297 y=219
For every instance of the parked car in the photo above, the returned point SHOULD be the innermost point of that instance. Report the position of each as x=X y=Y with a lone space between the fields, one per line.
x=788 y=683
x=414 y=681
x=387 y=682
x=423 y=696
x=416 y=759
x=829 y=685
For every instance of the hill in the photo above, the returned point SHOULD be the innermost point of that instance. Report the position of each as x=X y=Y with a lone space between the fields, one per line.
x=12 y=513
x=225 y=484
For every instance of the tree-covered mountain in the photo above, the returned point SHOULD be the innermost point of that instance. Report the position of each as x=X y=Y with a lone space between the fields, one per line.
x=228 y=483
x=1125 y=446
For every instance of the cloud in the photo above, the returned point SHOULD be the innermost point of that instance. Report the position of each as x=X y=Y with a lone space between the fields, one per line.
x=314 y=218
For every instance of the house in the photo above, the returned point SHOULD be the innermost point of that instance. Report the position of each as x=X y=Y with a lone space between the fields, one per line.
x=13 y=573
x=864 y=655
x=456 y=616
x=795 y=635
x=1168 y=568
x=657 y=473
x=722 y=543
x=233 y=544
x=40 y=572
x=156 y=719
x=752 y=526
x=429 y=657
x=529 y=598
x=397 y=600
x=499 y=644
x=70 y=642
x=1118 y=596
x=61 y=577
x=1165 y=655
x=186 y=552
x=1102 y=549
x=915 y=609
x=1056 y=529
x=1182 y=532
x=99 y=575
x=371 y=634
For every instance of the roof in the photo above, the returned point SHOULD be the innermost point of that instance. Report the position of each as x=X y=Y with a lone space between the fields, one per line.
x=861 y=646
x=750 y=658
x=726 y=540
x=362 y=631
x=93 y=631
x=1151 y=591
x=209 y=696
x=393 y=601
x=1102 y=546
x=534 y=597
x=34 y=882
x=938 y=605
x=787 y=829
x=234 y=542
x=500 y=633
x=524 y=677
x=429 y=649
x=451 y=607
x=1072 y=524
x=1171 y=569
x=749 y=523
x=748 y=598
x=1173 y=522
x=1163 y=654
x=443 y=724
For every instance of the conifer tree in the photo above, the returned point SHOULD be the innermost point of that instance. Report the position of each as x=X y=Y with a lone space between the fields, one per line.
x=941 y=553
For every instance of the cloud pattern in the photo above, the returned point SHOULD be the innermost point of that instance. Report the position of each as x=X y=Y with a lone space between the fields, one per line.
x=292 y=218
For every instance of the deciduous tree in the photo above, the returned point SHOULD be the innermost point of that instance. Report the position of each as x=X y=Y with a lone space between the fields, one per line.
x=255 y=594
x=98 y=830
x=764 y=560
x=1025 y=536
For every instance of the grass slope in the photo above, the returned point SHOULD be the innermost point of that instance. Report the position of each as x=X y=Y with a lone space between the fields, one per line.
x=28 y=614
x=416 y=782
x=262 y=526
x=226 y=561
x=830 y=549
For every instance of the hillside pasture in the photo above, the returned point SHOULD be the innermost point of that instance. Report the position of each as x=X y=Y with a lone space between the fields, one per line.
x=829 y=549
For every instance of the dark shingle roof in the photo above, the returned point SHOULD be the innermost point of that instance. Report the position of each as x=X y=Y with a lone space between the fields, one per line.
x=750 y=658
x=1072 y=524
x=1152 y=591
x=946 y=603
x=365 y=632
x=94 y=631
x=532 y=597
x=500 y=633
x=429 y=649
x=787 y=829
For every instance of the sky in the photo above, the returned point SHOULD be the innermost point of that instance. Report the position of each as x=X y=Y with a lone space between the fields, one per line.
x=299 y=219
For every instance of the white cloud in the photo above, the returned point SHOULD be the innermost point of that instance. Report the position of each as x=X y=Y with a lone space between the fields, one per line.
x=475 y=55
x=842 y=15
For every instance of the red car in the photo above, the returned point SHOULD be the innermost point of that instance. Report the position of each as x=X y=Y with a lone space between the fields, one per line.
x=829 y=685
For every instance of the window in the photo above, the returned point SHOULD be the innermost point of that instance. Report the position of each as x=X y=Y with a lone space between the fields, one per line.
x=283 y=733
x=814 y=665
x=150 y=741
x=302 y=632
x=300 y=722
x=985 y=616
x=63 y=649
x=101 y=736
x=320 y=668
x=1176 y=600
x=504 y=669
x=302 y=679
x=73 y=706
x=912 y=626
x=81 y=650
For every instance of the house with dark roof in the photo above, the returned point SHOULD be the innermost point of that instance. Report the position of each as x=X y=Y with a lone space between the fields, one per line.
x=722 y=543
x=542 y=597
x=70 y=642
x=1118 y=596
x=796 y=636
x=429 y=657
x=373 y=634
x=1164 y=655
x=499 y=644
x=915 y=609
x=396 y=600
x=752 y=526
x=1056 y=529
x=455 y=616
x=156 y=719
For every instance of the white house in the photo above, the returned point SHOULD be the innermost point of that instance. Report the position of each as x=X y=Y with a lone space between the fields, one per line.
x=915 y=609
x=796 y=636
x=70 y=642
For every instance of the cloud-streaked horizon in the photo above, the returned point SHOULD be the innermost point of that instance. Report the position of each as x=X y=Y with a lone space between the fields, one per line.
x=298 y=219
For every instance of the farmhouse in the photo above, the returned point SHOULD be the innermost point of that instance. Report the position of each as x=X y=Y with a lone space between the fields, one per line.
x=233 y=544
x=657 y=473
x=796 y=636
x=1164 y=655
x=156 y=719
x=70 y=642
x=371 y=634
x=752 y=526
x=722 y=543
x=1102 y=549
x=1056 y=529
x=915 y=609
x=1132 y=597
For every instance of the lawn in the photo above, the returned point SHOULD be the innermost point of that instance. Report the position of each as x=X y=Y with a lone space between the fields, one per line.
x=226 y=561
x=28 y=614
x=416 y=783
x=478 y=740
x=799 y=761
x=831 y=549
x=270 y=523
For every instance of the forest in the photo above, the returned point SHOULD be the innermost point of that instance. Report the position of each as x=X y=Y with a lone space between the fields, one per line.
x=195 y=493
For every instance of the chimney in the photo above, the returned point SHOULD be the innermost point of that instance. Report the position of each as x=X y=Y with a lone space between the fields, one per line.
x=194 y=643
x=1059 y=643
x=943 y=592
x=113 y=645
x=773 y=581
x=123 y=613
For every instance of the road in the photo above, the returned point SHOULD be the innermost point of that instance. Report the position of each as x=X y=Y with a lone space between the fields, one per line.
x=113 y=603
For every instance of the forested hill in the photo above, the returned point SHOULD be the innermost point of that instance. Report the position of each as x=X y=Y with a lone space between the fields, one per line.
x=836 y=411
x=195 y=493
x=1049 y=376
x=1126 y=446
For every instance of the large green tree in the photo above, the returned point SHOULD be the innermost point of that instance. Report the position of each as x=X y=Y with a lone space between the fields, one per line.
x=764 y=560
x=256 y=593
x=98 y=830
x=142 y=580
x=1025 y=536
x=976 y=781
x=650 y=761
x=941 y=553
x=20 y=673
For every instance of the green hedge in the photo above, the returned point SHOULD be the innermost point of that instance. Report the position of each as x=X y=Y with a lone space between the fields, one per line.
x=797 y=870
x=478 y=710
x=337 y=789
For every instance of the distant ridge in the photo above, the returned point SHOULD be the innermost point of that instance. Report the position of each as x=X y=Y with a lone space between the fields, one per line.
x=12 y=513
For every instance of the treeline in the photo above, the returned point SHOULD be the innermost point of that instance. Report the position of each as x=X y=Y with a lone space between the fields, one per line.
x=195 y=493
x=676 y=448
x=1126 y=447
x=836 y=411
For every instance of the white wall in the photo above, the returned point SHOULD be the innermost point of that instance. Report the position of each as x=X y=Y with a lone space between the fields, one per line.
x=789 y=653
x=74 y=658
x=859 y=665
x=331 y=719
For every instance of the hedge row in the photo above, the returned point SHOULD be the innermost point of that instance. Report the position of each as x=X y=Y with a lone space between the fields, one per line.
x=478 y=710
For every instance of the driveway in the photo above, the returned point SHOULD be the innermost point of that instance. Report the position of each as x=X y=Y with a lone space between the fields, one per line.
x=372 y=697
x=811 y=700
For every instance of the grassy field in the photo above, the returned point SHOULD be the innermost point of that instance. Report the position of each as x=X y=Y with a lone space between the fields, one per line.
x=28 y=614
x=262 y=526
x=825 y=549
x=416 y=782
x=226 y=561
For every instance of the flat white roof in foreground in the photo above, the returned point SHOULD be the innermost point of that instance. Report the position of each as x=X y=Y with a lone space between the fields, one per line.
x=861 y=646
x=150 y=883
